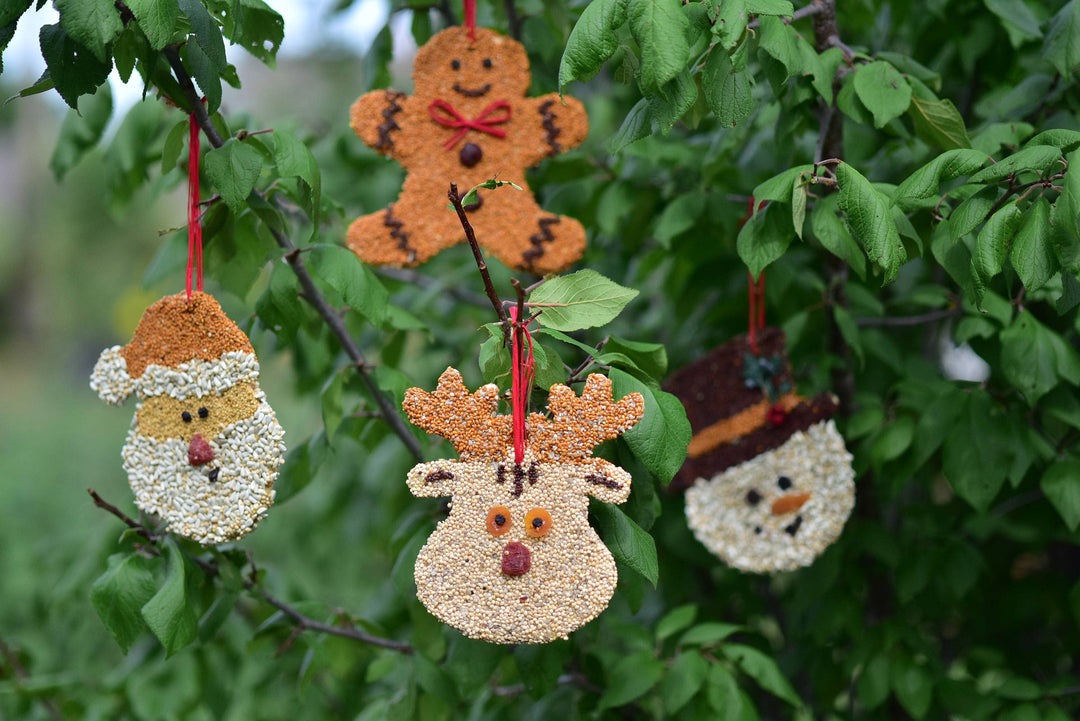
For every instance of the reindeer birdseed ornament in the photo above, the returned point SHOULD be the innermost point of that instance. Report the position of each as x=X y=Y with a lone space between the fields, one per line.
x=516 y=561
x=204 y=446
x=467 y=122
x=770 y=481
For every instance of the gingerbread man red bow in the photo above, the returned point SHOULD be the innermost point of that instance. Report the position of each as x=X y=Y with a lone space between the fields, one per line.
x=468 y=121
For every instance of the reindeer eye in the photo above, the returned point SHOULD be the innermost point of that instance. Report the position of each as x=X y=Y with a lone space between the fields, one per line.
x=186 y=417
x=537 y=523
x=203 y=412
x=455 y=64
x=498 y=520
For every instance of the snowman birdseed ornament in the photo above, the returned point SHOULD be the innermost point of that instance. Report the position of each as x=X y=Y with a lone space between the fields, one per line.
x=770 y=480
x=516 y=561
x=204 y=446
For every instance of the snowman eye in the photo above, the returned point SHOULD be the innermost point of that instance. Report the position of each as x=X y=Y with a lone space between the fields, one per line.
x=185 y=417
x=203 y=412
x=753 y=497
x=784 y=482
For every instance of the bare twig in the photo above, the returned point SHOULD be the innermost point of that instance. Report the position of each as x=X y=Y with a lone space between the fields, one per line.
x=803 y=12
x=407 y=275
x=513 y=20
x=20 y=674
x=292 y=257
x=932 y=316
x=470 y=235
x=131 y=522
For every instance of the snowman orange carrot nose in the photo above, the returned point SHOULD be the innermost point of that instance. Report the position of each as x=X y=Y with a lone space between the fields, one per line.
x=790 y=502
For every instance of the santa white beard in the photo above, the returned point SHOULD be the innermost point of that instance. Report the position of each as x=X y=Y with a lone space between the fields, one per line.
x=247 y=455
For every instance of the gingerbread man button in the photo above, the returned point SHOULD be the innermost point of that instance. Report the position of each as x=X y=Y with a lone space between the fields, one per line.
x=468 y=121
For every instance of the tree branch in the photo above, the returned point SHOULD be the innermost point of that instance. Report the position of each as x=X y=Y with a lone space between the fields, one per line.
x=513 y=20
x=292 y=256
x=20 y=675
x=489 y=287
x=803 y=12
x=930 y=317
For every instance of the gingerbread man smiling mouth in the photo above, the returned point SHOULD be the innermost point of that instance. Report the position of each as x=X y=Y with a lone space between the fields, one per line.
x=468 y=121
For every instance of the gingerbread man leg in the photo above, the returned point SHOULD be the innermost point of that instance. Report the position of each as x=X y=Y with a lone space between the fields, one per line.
x=543 y=242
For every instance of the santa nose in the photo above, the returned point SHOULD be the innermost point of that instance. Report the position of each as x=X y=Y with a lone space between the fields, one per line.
x=516 y=559
x=790 y=502
x=199 y=451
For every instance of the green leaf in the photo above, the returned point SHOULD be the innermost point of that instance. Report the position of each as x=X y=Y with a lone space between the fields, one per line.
x=631 y=677
x=781 y=42
x=873 y=686
x=1062 y=44
x=92 y=23
x=293 y=158
x=660 y=28
x=727 y=91
x=157 y=18
x=170 y=614
x=628 y=542
x=676 y=98
x=72 y=68
x=592 y=41
x=780 y=186
x=635 y=126
x=913 y=686
x=867 y=215
x=205 y=72
x=683 y=680
x=120 y=593
x=649 y=357
x=976 y=452
x=829 y=229
x=925 y=182
x=1016 y=17
x=353 y=280
x=883 y=91
x=679 y=216
x=1061 y=484
x=332 y=406
x=765 y=237
x=849 y=331
x=234 y=169
x=81 y=131
x=725 y=698
x=256 y=27
x=971 y=213
x=494 y=358
x=770 y=7
x=207 y=32
x=1035 y=158
x=279 y=305
x=938 y=122
x=1064 y=140
x=798 y=208
x=173 y=147
x=675 y=620
x=1035 y=359
x=1032 y=255
x=584 y=299
x=992 y=244
x=763 y=670
x=709 y=634
x=730 y=22
x=660 y=438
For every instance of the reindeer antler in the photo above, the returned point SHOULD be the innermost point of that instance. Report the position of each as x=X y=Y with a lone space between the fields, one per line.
x=581 y=424
x=465 y=419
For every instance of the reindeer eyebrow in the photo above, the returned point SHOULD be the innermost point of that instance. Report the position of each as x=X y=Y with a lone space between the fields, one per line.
x=597 y=480
x=439 y=475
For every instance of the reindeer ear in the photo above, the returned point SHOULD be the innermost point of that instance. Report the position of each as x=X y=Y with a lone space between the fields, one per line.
x=110 y=377
x=434 y=479
x=606 y=482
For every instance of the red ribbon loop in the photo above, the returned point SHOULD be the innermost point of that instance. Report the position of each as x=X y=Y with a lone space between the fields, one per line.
x=444 y=114
x=194 y=264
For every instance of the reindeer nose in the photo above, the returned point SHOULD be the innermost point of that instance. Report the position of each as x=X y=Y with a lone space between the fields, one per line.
x=790 y=502
x=516 y=559
x=199 y=451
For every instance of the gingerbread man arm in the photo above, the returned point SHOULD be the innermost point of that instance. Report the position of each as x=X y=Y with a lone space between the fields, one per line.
x=555 y=125
x=377 y=116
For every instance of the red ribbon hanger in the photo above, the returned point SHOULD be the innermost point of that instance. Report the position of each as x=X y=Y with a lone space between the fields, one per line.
x=523 y=371
x=194 y=263
x=754 y=289
x=470 y=18
x=444 y=114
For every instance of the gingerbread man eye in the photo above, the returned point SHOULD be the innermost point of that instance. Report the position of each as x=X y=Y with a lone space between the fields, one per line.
x=498 y=520
x=537 y=523
x=455 y=64
x=487 y=62
x=186 y=417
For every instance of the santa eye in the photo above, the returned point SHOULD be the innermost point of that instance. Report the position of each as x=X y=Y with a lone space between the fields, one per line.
x=186 y=417
x=455 y=64
x=753 y=497
x=203 y=412
x=487 y=62
x=784 y=482
x=498 y=520
x=537 y=522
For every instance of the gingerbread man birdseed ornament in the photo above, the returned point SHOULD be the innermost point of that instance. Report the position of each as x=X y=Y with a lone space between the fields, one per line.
x=516 y=561
x=204 y=446
x=770 y=481
x=468 y=121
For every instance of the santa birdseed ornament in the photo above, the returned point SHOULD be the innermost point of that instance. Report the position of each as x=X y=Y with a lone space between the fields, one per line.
x=468 y=121
x=770 y=480
x=204 y=446
x=516 y=561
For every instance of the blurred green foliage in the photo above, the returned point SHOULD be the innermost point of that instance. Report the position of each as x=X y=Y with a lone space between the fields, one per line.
x=955 y=589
